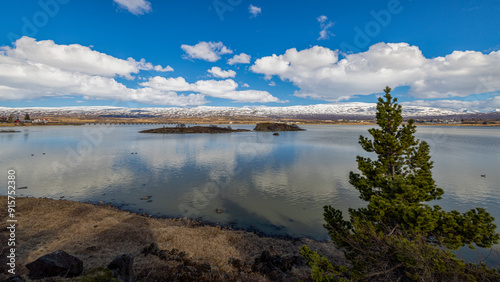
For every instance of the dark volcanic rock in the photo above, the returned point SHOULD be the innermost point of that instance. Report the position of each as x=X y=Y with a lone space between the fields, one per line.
x=193 y=129
x=151 y=250
x=277 y=127
x=122 y=268
x=58 y=263
x=173 y=254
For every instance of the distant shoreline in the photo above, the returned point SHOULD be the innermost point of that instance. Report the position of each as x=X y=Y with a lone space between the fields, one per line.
x=225 y=122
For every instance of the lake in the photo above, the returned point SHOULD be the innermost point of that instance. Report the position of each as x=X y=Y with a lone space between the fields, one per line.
x=274 y=184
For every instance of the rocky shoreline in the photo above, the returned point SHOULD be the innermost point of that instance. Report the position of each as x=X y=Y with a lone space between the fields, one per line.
x=159 y=249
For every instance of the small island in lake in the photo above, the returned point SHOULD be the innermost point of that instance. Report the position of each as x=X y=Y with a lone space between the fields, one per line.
x=9 y=131
x=277 y=127
x=194 y=129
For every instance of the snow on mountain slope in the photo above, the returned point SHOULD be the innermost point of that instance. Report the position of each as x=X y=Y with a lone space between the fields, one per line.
x=345 y=109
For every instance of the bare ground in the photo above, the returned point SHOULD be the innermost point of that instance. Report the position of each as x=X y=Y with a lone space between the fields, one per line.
x=97 y=234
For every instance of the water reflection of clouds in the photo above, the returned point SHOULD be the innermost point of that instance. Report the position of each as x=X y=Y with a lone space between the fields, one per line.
x=461 y=160
x=285 y=180
x=50 y=174
x=313 y=174
x=162 y=156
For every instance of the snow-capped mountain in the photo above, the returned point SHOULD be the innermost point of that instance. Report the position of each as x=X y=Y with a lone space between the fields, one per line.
x=309 y=111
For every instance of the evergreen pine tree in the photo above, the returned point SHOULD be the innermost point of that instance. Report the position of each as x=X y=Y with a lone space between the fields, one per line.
x=397 y=186
x=27 y=117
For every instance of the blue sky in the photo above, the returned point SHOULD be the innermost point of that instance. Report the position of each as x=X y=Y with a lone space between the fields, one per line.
x=148 y=53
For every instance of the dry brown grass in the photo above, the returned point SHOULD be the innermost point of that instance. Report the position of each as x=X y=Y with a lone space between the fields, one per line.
x=97 y=234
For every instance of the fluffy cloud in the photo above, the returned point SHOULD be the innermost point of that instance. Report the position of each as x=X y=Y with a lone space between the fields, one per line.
x=320 y=74
x=239 y=59
x=254 y=11
x=225 y=89
x=325 y=25
x=218 y=72
x=27 y=80
x=143 y=65
x=136 y=7
x=471 y=104
x=43 y=69
x=77 y=58
x=208 y=51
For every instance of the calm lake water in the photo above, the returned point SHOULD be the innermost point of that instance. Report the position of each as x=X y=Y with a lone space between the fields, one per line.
x=275 y=184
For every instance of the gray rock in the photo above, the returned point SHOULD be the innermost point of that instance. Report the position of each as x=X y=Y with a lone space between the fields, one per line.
x=58 y=263
x=122 y=268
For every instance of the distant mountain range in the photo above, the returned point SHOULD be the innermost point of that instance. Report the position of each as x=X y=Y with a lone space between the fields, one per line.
x=321 y=111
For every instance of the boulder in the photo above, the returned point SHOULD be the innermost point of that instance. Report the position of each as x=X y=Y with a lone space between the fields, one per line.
x=122 y=268
x=58 y=263
x=151 y=250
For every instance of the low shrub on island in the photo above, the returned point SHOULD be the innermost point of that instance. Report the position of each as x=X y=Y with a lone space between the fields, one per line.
x=193 y=129
x=267 y=126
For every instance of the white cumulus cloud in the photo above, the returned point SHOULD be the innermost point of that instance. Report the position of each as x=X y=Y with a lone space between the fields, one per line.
x=43 y=69
x=136 y=7
x=143 y=65
x=254 y=11
x=320 y=74
x=225 y=89
x=208 y=51
x=325 y=26
x=239 y=59
x=218 y=72
x=471 y=104
x=77 y=58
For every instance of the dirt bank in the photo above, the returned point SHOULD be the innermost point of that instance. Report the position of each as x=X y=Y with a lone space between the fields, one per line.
x=97 y=234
